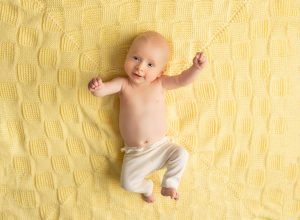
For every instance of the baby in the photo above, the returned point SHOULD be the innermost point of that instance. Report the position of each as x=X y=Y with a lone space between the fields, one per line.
x=142 y=114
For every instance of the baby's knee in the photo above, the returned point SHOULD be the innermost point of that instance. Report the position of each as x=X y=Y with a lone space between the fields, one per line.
x=183 y=154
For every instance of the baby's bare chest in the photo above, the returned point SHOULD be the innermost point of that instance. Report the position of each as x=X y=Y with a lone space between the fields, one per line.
x=138 y=98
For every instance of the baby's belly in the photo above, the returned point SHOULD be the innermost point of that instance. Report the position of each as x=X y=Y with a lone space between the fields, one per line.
x=140 y=131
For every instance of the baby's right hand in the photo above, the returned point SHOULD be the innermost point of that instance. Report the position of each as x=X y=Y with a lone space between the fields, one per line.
x=95 y=84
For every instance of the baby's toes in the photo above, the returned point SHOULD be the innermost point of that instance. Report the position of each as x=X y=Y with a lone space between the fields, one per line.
x=175 y=196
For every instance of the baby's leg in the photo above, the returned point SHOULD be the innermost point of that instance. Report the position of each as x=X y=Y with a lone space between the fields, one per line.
x=175 y=164
x=136 y=166
x=132 y=179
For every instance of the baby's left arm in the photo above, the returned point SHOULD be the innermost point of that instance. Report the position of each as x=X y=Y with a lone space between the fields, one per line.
x=187 y=76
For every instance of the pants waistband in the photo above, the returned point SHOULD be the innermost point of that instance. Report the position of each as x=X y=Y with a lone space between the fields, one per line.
x=139 y=149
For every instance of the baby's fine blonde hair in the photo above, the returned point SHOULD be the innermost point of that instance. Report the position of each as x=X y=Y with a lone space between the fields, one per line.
x=155 y=37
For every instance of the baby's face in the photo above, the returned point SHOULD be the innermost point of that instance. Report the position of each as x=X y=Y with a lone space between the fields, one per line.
x=145 y=61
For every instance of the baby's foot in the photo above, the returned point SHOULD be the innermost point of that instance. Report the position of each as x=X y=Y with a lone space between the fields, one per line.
x=170 y=192
x=148 y=199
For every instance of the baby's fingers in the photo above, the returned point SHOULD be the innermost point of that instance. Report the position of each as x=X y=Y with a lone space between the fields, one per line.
x=201 y=58
x=90 y=85
x=96 y=83
x=93 y=83
x=199 y=55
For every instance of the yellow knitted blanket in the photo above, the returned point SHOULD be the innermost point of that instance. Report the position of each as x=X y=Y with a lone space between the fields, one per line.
x=60 y=146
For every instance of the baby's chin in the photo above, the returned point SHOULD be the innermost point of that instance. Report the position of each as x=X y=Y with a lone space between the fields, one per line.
x=135 y=79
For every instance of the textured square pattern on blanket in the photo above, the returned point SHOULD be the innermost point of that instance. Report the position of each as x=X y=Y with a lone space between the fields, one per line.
x=60 y=146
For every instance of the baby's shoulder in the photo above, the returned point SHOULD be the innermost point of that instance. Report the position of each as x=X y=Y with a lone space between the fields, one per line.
x=159 y=82
x=125 y=83
x=123 y=79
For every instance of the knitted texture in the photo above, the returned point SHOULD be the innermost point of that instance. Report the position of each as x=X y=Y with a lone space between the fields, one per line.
x=60 y=146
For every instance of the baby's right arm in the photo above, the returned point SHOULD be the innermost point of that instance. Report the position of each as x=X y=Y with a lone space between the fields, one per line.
x=98 y=88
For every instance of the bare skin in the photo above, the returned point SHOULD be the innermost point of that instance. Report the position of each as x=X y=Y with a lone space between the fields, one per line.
x=149 y=199
x=170 y=192
x=142 y=109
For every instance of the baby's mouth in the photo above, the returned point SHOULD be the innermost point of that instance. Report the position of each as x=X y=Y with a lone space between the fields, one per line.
x=137 y=75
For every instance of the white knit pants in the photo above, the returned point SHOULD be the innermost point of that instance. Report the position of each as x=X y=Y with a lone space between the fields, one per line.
x=139 y=162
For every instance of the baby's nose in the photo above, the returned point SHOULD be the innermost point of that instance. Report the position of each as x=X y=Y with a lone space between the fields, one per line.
x=140 y=67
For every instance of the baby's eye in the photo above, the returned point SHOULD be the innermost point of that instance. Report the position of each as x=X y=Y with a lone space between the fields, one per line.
x=150 y=65
x=135 y=58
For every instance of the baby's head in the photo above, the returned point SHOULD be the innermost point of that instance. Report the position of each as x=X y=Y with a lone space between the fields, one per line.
x=147 y=57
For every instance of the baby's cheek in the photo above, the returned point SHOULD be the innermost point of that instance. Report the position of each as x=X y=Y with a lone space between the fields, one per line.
x=126 y=67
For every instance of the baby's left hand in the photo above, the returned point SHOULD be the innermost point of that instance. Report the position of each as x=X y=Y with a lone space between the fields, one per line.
x=199 y=60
